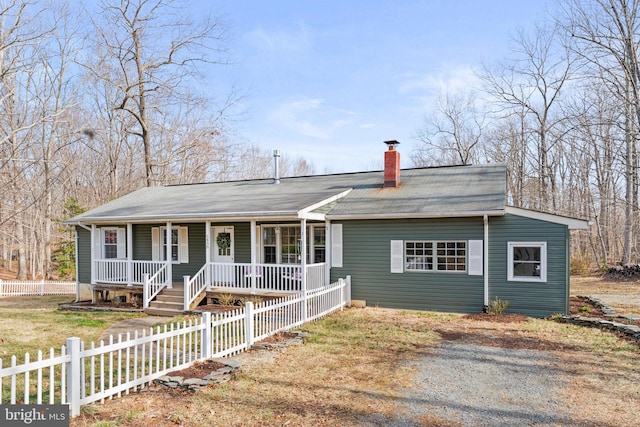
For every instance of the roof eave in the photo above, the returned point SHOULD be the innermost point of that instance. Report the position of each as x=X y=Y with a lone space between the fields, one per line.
x=199 y=217
x=404 y=215
x=572 y=223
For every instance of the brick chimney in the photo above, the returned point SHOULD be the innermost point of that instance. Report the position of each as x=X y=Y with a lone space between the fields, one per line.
x=391 y=165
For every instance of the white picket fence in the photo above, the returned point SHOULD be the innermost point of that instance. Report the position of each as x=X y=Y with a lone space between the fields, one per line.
x=82 y=374
x=16 y=288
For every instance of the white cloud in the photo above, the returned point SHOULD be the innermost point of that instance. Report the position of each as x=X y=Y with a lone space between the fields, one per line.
x=447 y=80
x=297 y=39
x=310 y=117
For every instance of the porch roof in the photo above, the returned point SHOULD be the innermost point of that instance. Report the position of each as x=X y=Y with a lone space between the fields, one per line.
x=423 y=192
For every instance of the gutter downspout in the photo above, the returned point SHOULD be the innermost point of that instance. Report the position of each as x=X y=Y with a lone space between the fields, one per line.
x=486 y=263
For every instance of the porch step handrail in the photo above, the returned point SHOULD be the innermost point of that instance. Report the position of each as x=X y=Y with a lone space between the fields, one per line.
x=154 y=285
x=193 y=286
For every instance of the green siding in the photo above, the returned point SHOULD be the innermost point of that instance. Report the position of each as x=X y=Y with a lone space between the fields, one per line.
x=366 y=257
x=142 y=248
x=529 y=298
x=83 y=248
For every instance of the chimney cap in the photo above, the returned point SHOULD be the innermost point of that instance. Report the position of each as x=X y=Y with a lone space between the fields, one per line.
x=392 y=143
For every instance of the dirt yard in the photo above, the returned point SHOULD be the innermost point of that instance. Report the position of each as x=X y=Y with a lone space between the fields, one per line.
x=358 y=365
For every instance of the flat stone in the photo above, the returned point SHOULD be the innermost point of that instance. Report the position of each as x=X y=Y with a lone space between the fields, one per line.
x=214 y=376
x=195 y=381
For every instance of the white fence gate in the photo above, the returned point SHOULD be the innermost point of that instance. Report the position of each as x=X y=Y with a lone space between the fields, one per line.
x=83 y=374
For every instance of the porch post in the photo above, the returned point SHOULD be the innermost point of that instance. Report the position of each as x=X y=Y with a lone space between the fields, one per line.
x=168 y=256
x=129 y=254
x=303 y=266
x=254 y=269
x=486 y=262
x=207 y=251
x=327 y=252
x=93 y=254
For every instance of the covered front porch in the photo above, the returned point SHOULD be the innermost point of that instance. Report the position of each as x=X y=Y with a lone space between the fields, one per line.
x=202 y=257
x=149 y=278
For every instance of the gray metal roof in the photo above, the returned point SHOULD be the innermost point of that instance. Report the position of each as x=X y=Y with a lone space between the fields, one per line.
x=423 y=192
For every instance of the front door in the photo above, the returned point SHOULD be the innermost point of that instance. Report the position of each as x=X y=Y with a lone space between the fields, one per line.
x=222 y=245
x=222 y=248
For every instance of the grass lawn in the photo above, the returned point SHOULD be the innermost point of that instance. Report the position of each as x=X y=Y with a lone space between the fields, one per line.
x=30 y=324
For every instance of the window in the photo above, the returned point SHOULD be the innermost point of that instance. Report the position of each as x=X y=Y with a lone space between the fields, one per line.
x=290 y=239
x=452 y=256
x=110 y=243
x=435 y=256
x=178 y=243
x=317 y=240
x=113 y=243
x=270 y=245
x=173 y=242
x=527 y=261
x=282 y=244
x=419 y=256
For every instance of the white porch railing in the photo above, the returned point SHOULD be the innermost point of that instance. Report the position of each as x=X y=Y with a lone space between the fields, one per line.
x=116 y=271
x=266 y=277
x=193 y=286
x=154 y=284
x=82 y=374
x=238 y=276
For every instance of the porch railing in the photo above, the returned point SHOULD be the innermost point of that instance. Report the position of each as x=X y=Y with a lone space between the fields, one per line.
x=154 y=284
x=193 y=286
x=243 y=276
x=267 y=277
x=116 y=271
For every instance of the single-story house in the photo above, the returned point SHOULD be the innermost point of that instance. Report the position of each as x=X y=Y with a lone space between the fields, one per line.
x=434 y=238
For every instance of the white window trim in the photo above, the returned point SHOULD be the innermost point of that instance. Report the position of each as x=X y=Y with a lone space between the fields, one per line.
x=434 y=263
x=121 y=252
x=543 y=262
x=278 y=243
x=158 y=250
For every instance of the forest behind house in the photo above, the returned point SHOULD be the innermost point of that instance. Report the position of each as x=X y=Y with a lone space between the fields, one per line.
x=92 y=109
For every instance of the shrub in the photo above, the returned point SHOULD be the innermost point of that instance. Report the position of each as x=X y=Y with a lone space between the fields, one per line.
x=498 y=306
x=226 y=299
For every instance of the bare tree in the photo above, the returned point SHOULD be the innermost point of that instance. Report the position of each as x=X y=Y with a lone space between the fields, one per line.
x=154 y=51
x=606 y=37
x=531 y=82
x=453 y=132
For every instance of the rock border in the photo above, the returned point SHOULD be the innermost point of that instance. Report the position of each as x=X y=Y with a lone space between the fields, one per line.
x=228 y=371
x=630 y=331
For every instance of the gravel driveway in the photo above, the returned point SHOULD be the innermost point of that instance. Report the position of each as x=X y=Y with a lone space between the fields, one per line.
x=473 y=385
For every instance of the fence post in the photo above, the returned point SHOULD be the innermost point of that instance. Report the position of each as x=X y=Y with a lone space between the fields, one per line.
x=248 y=323
x=348 y=291
x=206 y=346
x=343 y=288
x=305 y=300
x=145 y=291
x=42 y=287
x=73 y=375
x=1 y=289
x=186 y=293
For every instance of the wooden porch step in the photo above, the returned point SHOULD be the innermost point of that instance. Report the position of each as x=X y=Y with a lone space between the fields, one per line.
x=169 y=302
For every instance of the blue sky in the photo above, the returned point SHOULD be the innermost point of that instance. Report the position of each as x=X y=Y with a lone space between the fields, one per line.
x=329 y=81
